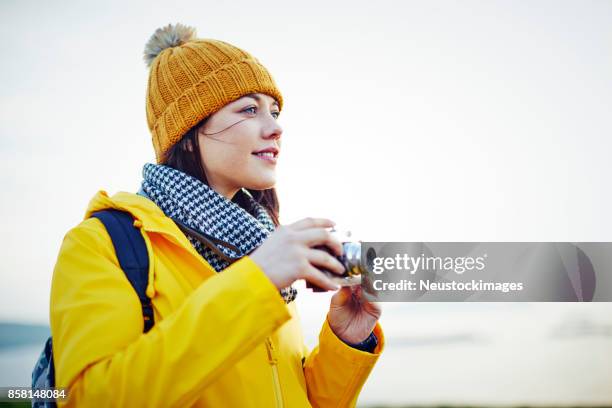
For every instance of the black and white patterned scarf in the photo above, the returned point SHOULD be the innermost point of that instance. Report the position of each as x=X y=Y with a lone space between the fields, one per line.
x=199 y=209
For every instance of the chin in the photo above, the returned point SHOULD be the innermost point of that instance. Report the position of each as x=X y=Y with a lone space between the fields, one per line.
x=261 y=184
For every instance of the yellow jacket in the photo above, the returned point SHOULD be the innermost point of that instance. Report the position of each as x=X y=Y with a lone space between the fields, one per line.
x=220 y=339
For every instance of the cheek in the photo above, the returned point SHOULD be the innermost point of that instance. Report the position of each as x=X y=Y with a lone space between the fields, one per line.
x=234 y=146
x=224 y=157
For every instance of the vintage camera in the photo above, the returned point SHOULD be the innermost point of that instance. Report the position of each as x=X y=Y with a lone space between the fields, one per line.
x=351 y=259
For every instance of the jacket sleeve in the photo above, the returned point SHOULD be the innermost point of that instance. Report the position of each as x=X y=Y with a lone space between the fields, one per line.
x=101 y=354
x=336 y=372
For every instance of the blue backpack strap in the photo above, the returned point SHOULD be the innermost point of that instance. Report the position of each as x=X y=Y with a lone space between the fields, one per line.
x=43 y=376
x=132 y=255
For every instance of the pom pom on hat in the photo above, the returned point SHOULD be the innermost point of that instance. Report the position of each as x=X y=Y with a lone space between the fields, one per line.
x=169 y=36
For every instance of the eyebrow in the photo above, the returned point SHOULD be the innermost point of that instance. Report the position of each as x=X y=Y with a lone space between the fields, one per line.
x=258 y=99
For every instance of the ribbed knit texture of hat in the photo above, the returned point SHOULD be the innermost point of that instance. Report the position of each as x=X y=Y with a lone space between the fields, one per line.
x=195 y=79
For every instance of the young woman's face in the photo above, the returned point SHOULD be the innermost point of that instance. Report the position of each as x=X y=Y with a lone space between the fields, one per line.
x=231 y=144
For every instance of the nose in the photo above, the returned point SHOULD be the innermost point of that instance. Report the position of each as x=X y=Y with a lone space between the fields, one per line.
x=272 y=130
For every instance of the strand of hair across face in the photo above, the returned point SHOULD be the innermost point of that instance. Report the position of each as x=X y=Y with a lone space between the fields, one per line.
x=223 y=130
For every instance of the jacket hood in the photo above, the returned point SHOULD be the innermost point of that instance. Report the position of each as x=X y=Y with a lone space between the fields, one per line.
x=145 y=212
x=140 y=207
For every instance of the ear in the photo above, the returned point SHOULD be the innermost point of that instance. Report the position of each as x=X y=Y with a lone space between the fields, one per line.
x=189 y=145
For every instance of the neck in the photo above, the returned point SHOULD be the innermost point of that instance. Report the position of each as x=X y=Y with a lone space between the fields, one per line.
x=226 y=191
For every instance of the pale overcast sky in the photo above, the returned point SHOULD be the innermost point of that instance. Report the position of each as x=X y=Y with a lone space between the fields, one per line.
x=407 y=121
x=403 y=121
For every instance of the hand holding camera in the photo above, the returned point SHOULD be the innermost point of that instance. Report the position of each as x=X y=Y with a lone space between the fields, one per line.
x=307 y=250
x=290 y=253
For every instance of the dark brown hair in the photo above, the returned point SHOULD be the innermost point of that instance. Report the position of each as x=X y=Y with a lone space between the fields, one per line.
x=182 y=158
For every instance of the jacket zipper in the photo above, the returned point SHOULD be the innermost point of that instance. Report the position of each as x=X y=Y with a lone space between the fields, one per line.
x=273 y=363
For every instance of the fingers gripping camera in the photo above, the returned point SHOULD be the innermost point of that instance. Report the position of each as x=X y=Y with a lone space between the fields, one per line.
x=354 y=264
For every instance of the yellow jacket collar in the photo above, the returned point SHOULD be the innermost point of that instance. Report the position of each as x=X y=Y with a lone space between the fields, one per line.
x=144 y=211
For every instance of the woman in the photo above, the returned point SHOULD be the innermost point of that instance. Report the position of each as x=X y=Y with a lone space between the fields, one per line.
x=226 y=332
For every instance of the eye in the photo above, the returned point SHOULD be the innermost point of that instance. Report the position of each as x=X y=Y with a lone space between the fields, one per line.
x=250 y=109
x=275 y=114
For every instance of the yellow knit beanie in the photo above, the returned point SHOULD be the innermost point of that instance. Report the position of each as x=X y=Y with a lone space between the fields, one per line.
x=191 y=78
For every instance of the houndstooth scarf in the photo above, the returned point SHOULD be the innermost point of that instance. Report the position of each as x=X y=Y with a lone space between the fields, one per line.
x=230 y=231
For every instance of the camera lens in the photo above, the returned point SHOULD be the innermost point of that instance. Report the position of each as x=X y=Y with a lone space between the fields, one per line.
x=352 y=258
x=370 y=256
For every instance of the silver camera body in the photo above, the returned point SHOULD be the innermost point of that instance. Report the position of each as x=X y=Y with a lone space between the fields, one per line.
x=354 y=265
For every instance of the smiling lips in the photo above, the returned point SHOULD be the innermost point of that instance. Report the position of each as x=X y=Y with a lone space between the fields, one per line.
x=268 y=154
